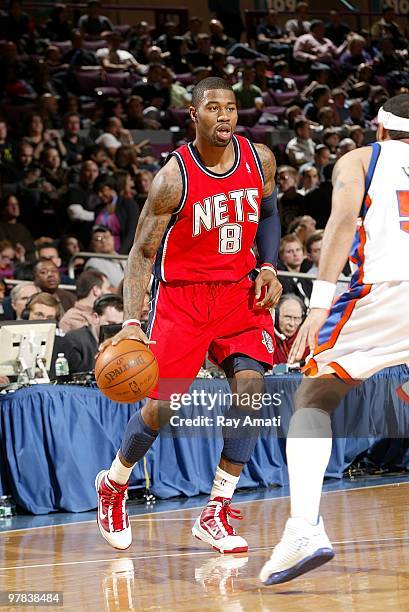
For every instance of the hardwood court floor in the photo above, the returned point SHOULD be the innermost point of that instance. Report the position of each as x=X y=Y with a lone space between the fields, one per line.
x=166 y=569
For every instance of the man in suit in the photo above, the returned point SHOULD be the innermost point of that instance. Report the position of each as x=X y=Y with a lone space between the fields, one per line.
x=81 y=345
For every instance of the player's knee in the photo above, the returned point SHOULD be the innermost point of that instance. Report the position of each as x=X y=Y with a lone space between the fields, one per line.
x=322 y=393
x=247 y=387
x=156 y=413
x=310 y=423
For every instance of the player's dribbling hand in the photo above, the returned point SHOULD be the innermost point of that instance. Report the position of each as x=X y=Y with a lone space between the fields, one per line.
x=274 y=289
x=130 y=332
x=307 y=334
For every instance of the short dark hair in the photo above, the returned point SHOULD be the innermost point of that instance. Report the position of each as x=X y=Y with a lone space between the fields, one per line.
x=40 y=261
x=315 y=23
x=105 y=301
x=398 y=105
x=299 y=123
x=207 y=84
x=87 y=280
x=315 y=237
x=105 y=181
x=319 y=91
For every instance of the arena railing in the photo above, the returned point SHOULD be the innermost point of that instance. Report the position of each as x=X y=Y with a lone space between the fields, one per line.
x=89 y=254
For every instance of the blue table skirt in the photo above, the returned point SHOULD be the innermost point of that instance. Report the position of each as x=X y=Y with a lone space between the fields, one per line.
x=54 y=440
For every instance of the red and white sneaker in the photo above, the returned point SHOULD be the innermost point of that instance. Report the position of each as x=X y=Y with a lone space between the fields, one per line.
x=112 y=517
x=213 y=527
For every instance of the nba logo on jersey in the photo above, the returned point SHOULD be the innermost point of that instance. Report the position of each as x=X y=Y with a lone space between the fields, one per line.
x=248 y=168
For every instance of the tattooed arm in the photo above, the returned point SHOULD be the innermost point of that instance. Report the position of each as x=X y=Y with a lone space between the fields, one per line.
x=348 y=181
x=268 y=163
x=163 y=198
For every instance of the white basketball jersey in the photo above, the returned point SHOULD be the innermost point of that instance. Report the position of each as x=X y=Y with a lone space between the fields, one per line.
x=381 y=246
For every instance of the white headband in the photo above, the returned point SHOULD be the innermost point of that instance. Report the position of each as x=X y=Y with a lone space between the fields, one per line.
x=392 y=122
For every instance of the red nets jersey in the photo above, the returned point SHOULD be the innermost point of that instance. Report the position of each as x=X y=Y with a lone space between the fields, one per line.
x=211 y=234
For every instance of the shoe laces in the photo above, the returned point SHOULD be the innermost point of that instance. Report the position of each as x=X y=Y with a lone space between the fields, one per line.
x=114 y=495
x=227 y=511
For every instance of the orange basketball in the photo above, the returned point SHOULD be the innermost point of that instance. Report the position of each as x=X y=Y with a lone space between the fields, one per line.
x=126 y=372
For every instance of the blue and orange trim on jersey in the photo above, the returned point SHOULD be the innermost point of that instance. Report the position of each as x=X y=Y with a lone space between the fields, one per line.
x=343 y=307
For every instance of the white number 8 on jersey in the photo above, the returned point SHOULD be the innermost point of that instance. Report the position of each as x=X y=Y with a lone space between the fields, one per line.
x=230 y=238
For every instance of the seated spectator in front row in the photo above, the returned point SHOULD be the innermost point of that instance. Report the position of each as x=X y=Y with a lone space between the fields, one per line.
x=47 y=307
x=289 y=315
x=313 y=248
x=291 y=259
x=48 y=250
x=19 y=296
x=81 y=345
x=47 y=278
x=102 y=242
x=91 y=285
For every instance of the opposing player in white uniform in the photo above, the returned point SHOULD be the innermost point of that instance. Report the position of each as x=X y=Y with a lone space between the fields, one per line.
x=363 y=331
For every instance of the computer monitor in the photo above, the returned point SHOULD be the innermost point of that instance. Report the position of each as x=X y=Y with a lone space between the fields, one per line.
x=26 y=349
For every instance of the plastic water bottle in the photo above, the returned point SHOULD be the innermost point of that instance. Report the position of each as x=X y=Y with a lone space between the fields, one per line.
x=62 y=369
x=7 y=507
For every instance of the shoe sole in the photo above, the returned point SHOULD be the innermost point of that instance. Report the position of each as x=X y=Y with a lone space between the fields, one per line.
x=98 y=479
x=207 y=539
x=321 y=556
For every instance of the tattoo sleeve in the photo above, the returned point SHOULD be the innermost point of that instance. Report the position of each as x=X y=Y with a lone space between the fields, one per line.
x=163 y=198
x=268 y=164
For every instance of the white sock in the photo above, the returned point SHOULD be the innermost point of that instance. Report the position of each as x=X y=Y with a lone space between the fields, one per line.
x=118 y=472
x=307 y=460
x=224 y=484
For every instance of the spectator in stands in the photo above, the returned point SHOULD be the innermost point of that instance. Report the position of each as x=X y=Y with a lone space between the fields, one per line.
x=228 y=12
x=387 y=27
x=335 y=29
x=247 y=94
x=81 y=345
x=46 y=276
x=320 y=97
x=135 y=119
x=43 y=307
x=112 y=58
x=69 y=246
x=59 y=27
x=93 y=25
x=339 y=97
x=176 y=55
x=291 y=254
x=176 y=93
x=327 y=117
x=218 y=37
x=322 y=157
x=271 y=38
x=91 y=285
x=79 y=58
x=143 y=182
x=314 y=46
x=290 y=202
x=72 y=141
x=10 y=229
x=302 y=227
x=313 y=248
x=39 y=137
x=388 y=59
x=82 y=201
x=7 y=257
x=318 y=201
x=195 y=27
x=357 y=134
x=6 y=144
x=355 y=54
x=22 y=170
x=291 y=114
x=49 y=250
x=309 y=178
x=290 y=312
x=318 y=75
x=346 y=145
x=300 y=149
x=331 y=138
x=165 y=39
x=19 y=296
x=356 y=114
x=52 y=170
x=201 y=55
x=150 y=89
x=120 y=215
x=114 y=136
x=17 y=26
x=300 y=25
x=102 y=242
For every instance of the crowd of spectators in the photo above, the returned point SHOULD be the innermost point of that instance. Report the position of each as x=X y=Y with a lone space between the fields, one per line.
x=78 y=94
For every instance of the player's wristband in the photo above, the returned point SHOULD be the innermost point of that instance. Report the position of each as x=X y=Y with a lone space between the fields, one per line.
x=322 y=294
x=131 y=322
x=268 y=266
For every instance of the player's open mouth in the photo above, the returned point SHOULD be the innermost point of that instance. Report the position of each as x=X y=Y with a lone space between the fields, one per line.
x=223 y=132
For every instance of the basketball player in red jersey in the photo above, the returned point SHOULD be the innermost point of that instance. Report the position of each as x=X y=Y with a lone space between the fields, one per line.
x=206 y=207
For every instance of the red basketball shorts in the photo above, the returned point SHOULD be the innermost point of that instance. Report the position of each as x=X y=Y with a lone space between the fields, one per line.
x=188 y=319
